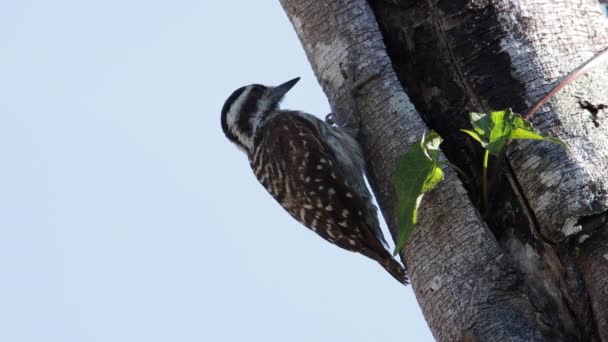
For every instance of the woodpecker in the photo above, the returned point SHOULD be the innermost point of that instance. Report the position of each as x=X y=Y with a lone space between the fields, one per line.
x=312 y=168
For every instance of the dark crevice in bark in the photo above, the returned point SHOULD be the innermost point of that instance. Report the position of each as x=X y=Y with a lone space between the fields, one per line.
x=532 y=221
x=590 y=224
x=578 y=302
x=591 y=258
x=594 y=109
x=541 y=264
x=447 y=56
x=444 y=45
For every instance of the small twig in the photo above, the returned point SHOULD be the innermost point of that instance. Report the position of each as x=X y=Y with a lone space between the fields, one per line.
x=576 y=73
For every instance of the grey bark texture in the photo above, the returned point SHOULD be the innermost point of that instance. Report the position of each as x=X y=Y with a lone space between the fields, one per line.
x=535 y=266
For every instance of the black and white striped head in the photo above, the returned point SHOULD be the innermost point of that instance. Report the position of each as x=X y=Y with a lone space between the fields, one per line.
x=246 y=106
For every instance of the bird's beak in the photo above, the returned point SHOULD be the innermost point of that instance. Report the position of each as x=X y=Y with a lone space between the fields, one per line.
x=279 y=91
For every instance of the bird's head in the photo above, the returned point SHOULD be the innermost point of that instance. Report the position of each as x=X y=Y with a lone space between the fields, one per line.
x=246 y=106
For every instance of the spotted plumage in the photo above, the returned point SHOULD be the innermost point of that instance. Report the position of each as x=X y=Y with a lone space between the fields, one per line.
x=314 y=170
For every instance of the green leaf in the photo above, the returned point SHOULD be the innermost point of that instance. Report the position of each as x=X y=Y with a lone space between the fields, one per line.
x=494 y=130
x=431 y=144
x=475 y=136
x=481 y=123
x=417 y=172
x=434 y=178
x=523 y=129
x=520 y=133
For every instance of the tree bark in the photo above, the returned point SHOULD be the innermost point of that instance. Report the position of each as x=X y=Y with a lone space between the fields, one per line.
x=535 y=267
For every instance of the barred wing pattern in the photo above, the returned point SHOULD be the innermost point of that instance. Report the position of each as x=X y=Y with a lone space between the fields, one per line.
x=301 y=173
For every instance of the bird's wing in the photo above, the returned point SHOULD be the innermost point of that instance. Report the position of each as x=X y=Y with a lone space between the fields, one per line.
x=302 y=174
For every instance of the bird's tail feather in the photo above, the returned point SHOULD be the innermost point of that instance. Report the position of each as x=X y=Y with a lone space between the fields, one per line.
x=395 y=269
x=385 y=259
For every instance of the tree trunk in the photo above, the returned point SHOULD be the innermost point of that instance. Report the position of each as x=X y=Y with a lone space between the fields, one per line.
x=535 y=267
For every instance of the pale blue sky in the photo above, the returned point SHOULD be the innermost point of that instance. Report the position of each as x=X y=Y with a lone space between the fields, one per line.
x=125 y=215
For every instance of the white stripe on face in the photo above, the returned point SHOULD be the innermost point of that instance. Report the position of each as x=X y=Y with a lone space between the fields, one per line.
x=232 y=119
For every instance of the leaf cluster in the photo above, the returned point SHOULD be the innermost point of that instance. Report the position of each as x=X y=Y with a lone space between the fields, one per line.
x=494 y=130
x=418 y=171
